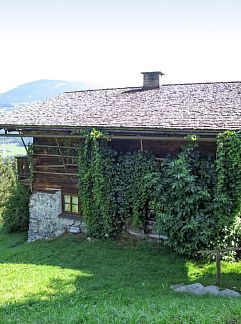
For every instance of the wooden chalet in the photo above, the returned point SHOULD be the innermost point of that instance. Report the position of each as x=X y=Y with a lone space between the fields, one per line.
x=155 y=118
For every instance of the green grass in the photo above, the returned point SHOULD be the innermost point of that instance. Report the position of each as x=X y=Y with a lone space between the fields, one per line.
x=10 y=149
x=73 y=280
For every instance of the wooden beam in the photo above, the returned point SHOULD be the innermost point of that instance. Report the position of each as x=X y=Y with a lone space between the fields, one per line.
x=54 y=146
x=55 y=173
x=123 y=137
x=141 y=142
x=54 y=166
x=54 y=155
x=220 y=250
x=68 y=128
x=218 y=260
x=218 y=268
x=24 y=144
x=63 y=161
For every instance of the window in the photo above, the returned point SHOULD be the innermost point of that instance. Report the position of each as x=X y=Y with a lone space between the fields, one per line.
x=71 y=204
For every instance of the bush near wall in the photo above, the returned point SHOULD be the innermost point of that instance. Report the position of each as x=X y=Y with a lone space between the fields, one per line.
x=14 y=199
x=16 y=211
x=7 y=181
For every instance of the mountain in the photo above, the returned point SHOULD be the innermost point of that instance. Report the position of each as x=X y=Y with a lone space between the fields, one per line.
x=37 y=90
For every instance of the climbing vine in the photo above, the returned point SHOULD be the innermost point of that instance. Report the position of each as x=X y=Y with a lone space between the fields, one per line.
x=196 y=201
x=98 y=187
x=111 y=186
x=135 y=167
x=228 y=188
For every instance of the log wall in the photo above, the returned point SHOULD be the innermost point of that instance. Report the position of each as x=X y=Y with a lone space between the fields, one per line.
x=55 y=160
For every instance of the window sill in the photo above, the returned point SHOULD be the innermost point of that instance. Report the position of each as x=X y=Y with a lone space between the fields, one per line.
x=70 y=216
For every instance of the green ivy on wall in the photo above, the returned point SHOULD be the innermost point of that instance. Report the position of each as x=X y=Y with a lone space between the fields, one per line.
x=111 y=186
x=228 y=189
x=98 y=187
x=196 y=201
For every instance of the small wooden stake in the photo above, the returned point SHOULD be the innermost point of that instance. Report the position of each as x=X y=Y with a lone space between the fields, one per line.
x=141 y=142
x=218 y=268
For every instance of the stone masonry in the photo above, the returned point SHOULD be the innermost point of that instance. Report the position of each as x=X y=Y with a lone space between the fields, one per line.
x=44 y=216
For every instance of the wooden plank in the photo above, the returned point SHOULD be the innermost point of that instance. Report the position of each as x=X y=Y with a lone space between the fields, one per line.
x=55 y=165
x=54 y=155
x=141 y=143
x=61 y=182
x=128 y=137
x=220 y=250
x=26 y=149
x=218 y=269
x=63 y=160
x=54 y=146
x=55 y=173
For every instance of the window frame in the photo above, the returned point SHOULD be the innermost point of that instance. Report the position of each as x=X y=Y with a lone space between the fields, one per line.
x=64 y=211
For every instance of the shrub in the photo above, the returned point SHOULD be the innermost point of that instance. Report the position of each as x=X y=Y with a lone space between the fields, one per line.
x=182 y=200
x=7 y=181
x=14 y=199
x=16 y=211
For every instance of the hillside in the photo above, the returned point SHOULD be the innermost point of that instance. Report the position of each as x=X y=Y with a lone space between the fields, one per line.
x=37 y=90
x=75 y=280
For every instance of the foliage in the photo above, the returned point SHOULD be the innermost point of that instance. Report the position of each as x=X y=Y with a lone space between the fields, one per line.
x=14 y=199
x=7 y=181
x=106 y=282
x=16 y=210
x=135 y=167
x=196 y=201
x=182 y=200
x=111 y=186
x=228 y=189
x=98 y=187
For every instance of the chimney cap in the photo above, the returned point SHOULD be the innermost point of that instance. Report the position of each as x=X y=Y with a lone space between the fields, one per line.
x=151 y=80
x=154 y=72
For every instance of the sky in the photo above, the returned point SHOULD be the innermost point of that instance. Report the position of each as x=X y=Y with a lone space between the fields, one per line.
x=107 y=43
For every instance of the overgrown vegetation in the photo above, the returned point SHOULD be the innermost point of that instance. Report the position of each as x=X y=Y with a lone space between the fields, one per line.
x=195 y=201
x=98 y=187
x=14 y=199
x=182 y=196
x=111 y=186
x=227 y=204
x=73 y=280
x=7 y=181
x=16 y=211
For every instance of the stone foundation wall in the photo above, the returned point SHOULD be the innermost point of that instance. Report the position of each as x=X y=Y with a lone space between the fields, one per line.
x=44 y=222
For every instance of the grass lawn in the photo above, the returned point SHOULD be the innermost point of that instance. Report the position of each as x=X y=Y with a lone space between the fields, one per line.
x=73 y=280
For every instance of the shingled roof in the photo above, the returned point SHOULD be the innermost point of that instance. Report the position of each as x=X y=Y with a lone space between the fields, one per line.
x=198 y=106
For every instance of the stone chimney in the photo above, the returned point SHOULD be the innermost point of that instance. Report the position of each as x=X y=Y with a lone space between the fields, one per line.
x=151 y=79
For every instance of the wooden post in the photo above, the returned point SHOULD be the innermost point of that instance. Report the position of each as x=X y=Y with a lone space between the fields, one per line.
x=141 y=142
x=218 y=268
x=218 y=260
x=25 y=146
x=63 y=161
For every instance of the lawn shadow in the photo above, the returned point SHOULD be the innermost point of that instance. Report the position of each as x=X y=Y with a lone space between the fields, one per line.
x=72 y=275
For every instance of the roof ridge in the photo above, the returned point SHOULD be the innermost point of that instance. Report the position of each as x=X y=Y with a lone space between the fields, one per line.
x=119 y=88
x=193 y=83
x=140 y=87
